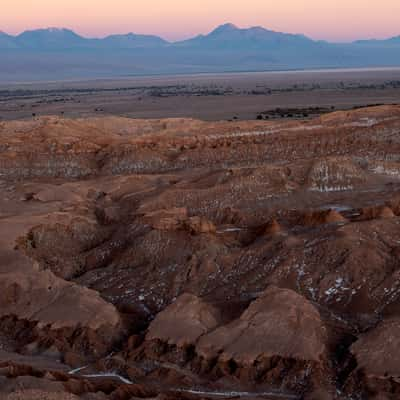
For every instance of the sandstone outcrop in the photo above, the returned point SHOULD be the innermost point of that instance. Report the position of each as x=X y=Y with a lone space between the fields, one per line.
x=280 y=323
x=377 y=357
x=184 y=321
x=190 y=259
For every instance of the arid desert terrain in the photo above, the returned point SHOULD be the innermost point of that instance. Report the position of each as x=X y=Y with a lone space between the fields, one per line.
x=178 y=258
x=213 y=97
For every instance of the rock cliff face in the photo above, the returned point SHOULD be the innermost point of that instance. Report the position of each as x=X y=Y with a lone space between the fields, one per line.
x=185 y=259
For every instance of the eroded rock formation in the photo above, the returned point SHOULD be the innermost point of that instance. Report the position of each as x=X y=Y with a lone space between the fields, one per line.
x=187 y=259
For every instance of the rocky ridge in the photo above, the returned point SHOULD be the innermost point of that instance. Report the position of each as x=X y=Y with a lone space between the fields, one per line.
x=185 y=259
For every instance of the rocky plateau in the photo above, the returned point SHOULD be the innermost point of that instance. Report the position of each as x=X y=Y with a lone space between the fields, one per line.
x=182 y=259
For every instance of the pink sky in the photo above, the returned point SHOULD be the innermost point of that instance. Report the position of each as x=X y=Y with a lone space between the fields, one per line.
x=338 y=20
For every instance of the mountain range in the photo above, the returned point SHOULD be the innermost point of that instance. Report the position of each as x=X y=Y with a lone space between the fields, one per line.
x=56 y=53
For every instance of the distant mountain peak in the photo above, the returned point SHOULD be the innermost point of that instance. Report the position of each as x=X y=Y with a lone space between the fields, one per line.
x=259 y=28
x=51 y=37
x=228 y=27
x=229 y=36
x=133 y=40
x=55 y=29
x=49 y=32
x=256 y=31
x=51 y=29
x=7 y=41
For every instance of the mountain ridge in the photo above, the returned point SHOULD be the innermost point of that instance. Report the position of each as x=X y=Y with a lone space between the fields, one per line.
x=223 y=30
x=252 y=37
x=60 y=53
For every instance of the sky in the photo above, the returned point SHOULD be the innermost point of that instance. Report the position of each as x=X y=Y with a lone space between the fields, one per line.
x=333 y=20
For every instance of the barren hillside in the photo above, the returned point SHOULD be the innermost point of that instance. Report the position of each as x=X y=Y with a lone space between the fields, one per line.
x=182 y=259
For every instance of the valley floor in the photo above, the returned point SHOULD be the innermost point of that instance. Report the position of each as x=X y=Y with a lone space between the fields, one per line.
x=243 y=96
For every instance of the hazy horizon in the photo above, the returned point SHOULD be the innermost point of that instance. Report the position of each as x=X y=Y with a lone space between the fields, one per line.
x=334 y=21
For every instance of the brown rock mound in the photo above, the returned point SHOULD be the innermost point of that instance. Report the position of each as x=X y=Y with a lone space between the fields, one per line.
x=199 y=225
x=377 y=352
x=321 y=217
x=272 y=227
x=167 y=220
x=47 y=309
x=177 y=219
x=280 y=323
x=369 y=213
x=394 y=205
x=183 y=322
